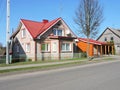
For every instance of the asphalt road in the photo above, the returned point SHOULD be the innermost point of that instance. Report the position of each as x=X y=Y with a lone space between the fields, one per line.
x=102 y=76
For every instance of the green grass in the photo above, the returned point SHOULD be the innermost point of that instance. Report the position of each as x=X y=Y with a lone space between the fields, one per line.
x=38 y=62
x=47 y=67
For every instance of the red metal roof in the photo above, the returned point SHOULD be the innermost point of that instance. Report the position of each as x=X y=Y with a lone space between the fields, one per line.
x=37 y=28
x=92 y=41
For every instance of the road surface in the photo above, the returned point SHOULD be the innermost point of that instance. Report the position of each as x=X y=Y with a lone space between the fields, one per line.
x=102 y=76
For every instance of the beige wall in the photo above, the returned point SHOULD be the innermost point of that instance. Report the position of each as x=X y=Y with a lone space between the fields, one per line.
x=54 y=53
x=22 y=43
x=108 y=34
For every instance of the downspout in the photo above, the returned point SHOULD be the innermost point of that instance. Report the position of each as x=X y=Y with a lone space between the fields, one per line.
x=35 y=50
x=59 y=52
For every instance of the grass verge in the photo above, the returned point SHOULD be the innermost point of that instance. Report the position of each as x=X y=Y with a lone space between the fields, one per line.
x=39 y=62
x=48 y=67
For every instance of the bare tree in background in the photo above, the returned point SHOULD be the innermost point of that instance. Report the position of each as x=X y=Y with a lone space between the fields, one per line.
x=89 y=16
x=1 y=48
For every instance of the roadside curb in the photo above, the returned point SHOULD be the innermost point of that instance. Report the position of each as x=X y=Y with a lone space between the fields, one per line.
x=23 y=75
x=48 y=64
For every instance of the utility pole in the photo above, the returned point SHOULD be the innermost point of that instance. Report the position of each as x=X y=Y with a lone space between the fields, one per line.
x=7 y=31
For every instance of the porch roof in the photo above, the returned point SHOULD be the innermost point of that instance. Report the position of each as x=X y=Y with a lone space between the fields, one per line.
x=92 y=41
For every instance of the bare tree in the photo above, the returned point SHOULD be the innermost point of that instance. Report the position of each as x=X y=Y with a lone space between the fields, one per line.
x=89 y=16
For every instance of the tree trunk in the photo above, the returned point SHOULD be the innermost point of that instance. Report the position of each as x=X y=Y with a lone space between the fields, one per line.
x=88 y=47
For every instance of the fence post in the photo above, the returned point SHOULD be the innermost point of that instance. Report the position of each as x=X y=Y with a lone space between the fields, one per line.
x=10 y=59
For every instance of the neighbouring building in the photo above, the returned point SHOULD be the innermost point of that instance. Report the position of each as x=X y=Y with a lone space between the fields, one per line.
x=96 y=48
x=43 y=40
x=111 y=36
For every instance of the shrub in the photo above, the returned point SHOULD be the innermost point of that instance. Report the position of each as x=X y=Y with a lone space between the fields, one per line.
x=84 y=54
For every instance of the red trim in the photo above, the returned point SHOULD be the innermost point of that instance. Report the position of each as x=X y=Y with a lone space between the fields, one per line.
x=92 y=41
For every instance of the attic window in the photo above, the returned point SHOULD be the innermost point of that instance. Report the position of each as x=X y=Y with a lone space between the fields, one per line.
x=57 y=32
x=23 y=33
x=111 y=38
x=105 y=39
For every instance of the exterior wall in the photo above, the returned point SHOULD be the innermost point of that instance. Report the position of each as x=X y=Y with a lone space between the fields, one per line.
x=108 y=34
x=83 y=47
x=96 y=50
x=21 y=42
x=67 y=54
x=55 y=50
x=36 y=53
x=54 y=54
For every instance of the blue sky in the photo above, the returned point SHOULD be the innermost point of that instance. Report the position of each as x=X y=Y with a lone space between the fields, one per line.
x=52 y=9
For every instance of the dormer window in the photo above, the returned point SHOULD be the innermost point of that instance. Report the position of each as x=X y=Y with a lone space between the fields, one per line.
x=57 y=32
x=111 y=38
x=23 y=33
x=105 y=39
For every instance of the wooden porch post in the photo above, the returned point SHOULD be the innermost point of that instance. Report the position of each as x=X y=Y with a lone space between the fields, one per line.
x=112 y=50
x=105 y=49
x=101 y=50
x=97 y=50
x=108 y=49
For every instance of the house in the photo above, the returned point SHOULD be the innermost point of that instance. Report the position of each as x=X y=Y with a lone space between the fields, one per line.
x=43 y=40
x=96 y=48
x=111 y=36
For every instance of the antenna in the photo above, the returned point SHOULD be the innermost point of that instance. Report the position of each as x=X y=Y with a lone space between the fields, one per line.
x=7 y=31
x=61 y=8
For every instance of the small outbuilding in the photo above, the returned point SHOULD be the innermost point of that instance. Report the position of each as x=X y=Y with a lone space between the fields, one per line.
x=96 y=48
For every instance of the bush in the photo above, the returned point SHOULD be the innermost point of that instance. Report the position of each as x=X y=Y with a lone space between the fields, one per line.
x=84 y=54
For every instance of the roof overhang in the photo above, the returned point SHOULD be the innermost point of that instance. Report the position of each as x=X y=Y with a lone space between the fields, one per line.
x=62 y=37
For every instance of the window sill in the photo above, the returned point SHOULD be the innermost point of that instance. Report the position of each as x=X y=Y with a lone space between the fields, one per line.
x=66 y=51
x=27 y=51
x=23 y=37
x=45 y=51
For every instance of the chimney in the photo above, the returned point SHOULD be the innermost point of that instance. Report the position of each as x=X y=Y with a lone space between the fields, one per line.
x=45 y=21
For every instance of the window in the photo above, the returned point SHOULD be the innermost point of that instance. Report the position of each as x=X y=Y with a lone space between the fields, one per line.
x=17 y=48
x=23 y=33
x=111 y=38
x=45 y=47
x=54 y=46
x=57 y=32
x=66 y=47
x=28 y=47
x=105 y=39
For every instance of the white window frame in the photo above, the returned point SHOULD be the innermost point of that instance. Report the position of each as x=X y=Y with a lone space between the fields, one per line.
x=54 y=46
x=28 y=47
x=56 y=32
x=66 y=47
x=23 y=33
x=47 y=47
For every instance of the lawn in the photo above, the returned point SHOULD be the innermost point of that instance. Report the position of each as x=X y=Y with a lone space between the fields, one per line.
x=38 y=62
x=80 y=61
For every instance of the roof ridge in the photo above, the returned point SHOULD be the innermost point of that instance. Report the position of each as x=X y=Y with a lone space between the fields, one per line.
x=30 y=20
x=113 y=30
x=47 y=23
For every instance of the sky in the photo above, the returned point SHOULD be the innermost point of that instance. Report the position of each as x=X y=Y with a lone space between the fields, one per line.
x=37 y=10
